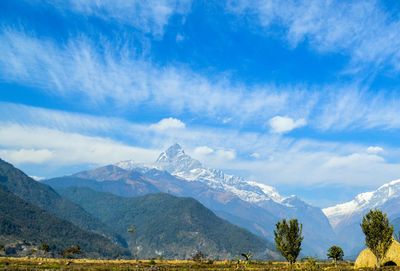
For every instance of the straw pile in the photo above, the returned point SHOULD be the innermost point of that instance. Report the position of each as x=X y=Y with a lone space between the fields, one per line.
x=367 y=258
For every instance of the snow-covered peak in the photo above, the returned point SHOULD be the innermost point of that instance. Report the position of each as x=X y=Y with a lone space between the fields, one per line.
x=132 y=165
x=175 y=160
x=362 y=202
x=178 y=163
x=172 y=153
x=269 y=190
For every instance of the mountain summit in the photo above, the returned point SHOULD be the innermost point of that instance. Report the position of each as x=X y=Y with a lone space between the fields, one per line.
x=175 y=160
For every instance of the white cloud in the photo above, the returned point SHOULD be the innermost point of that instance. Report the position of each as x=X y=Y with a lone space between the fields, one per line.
x=116 y=78
x=75 y=139
x=168 y=123
x=203 y=150
x=255 y=155
x=27 y=156
x=281 y=124
x=37 y=178
x=226 y=154
x=150 y=16
x=374 y=149
x=34 y=144
x=361 y=29
x=352 y=160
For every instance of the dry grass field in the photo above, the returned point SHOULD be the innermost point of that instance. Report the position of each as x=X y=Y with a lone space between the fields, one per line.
x=150 y=265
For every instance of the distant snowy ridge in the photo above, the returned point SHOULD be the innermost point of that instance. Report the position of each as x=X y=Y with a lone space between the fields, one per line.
x=364 y=201
x=178 y=163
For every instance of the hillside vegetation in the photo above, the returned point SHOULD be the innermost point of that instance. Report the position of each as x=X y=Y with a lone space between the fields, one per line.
x=22 y=221
x=168 y=226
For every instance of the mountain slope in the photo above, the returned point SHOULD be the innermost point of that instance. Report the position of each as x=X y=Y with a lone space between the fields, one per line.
x=168 y=226
x=254 y=206
x=175 y=161
x=346 y=217
x=47 y=199
x=22 y=221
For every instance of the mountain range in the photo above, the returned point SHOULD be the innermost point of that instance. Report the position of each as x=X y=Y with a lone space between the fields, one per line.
x=105 y=225
x=249 y=204
x=176 y=196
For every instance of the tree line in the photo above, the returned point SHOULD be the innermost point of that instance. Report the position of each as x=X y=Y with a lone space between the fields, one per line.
x=375 y=226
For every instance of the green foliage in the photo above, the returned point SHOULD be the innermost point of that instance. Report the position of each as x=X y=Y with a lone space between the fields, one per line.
x=288 y=238
x=18 y=183
x=378 y=233
x=335 y=253
x=44 y=247
x=310 y=264
x=199 y=256
x=20 y=220
x=71 y=251
x=247 y=256
x=176 y=226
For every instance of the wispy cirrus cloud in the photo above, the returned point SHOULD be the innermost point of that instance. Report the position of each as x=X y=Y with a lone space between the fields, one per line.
x=362 y=30
x=150 y=16
x=115 y=77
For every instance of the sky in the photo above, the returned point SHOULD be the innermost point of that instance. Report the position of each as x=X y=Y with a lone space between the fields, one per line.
x=301 y=95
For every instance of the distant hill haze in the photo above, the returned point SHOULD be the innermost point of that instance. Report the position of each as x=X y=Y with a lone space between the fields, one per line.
x=252 y=205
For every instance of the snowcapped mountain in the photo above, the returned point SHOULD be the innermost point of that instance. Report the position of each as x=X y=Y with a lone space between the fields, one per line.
x=249 y=204
x=363 y=202
x=345 y=218
x=175 y=161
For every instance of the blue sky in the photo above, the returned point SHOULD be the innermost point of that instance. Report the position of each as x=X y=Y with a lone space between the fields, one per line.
x=302 y=95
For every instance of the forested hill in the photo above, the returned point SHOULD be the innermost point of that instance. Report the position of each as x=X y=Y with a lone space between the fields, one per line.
x=169 y=226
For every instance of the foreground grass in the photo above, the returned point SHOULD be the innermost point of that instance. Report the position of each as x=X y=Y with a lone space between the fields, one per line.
x=8 y=263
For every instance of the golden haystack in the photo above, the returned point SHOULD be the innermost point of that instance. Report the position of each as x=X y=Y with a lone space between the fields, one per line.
x=368 y=259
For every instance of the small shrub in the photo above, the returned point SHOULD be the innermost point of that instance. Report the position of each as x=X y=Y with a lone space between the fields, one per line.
x=198 y=256
x=71 y=251
x=44 y=247
x=310 y=264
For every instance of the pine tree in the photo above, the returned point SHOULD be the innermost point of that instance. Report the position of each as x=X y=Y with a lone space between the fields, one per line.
x=335 y=253
x=378 y=234
x=288 y=238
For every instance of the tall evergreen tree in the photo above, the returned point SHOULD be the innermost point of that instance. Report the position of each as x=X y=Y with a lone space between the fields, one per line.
x=288 y=238
x=378 y=233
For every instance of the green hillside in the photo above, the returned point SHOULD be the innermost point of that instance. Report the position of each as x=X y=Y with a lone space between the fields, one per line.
x=22 y=221
x=43 y=196
x=168 y=226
